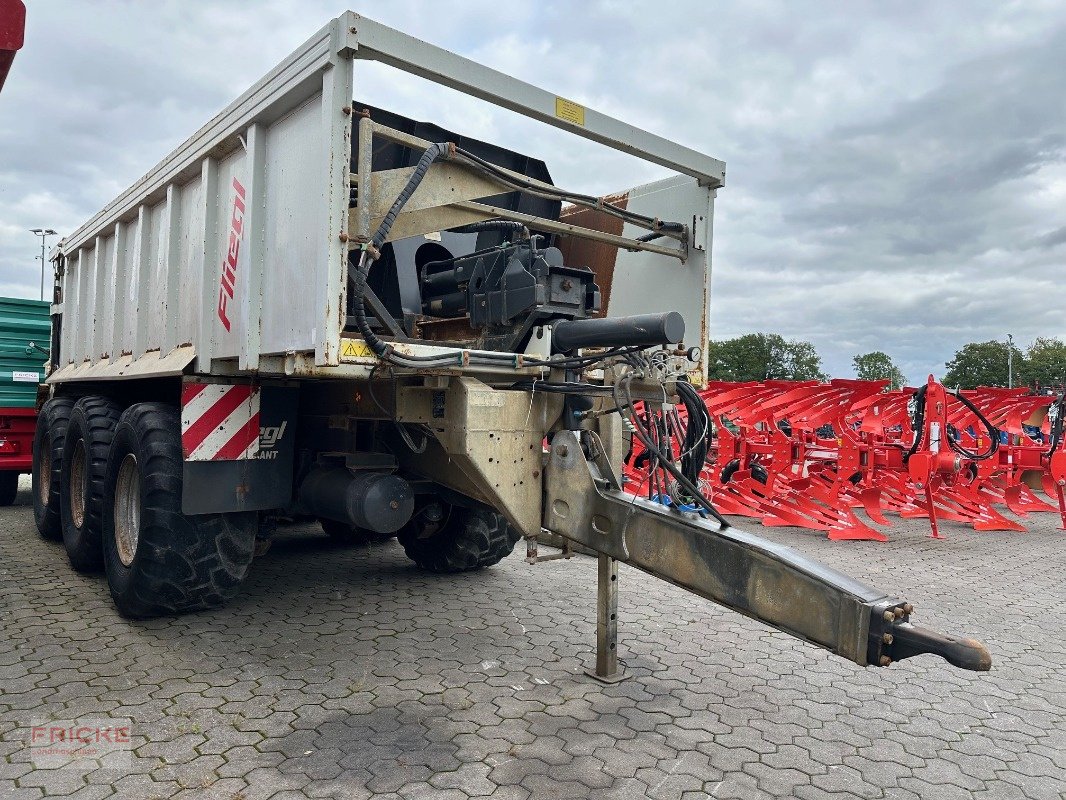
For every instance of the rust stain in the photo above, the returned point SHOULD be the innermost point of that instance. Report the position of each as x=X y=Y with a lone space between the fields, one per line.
x=599 y=257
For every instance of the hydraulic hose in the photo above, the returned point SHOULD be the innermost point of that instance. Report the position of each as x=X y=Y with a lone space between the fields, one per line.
x=435 y=152
x=1060 y=423
x=993 y=432
x=917 y=422
x=501 y=225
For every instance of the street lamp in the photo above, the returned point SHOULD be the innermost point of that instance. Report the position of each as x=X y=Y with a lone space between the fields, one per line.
x=1010 y=361
x=44 y=233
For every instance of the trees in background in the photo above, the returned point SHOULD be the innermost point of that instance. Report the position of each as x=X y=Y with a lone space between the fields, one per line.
x=763 y=356
x=975 y=364
x=1045 y=363
x=981 y=364
x=769 y=356
x=878 y=366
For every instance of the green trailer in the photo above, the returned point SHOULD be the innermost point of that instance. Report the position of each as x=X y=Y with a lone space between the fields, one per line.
x=25 y=330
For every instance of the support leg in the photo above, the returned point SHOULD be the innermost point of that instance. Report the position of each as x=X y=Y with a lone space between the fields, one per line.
x=607 y=670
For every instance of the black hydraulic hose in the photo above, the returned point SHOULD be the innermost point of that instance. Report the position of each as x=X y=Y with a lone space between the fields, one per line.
x=359 y=310
x=697 y=432
x=993 y=433
x=643 y=434
x=664 y=228
x=917 y=422
x=503 y=225
x=1060 y=423
x=435 y=152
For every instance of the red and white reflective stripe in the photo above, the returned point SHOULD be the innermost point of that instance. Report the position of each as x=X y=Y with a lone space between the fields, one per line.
x=219 y=422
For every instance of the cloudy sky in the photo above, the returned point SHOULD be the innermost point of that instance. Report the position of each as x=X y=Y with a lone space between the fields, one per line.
x=896 y=172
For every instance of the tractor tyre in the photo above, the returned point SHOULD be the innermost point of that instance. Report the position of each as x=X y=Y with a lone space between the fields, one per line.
x=466 y=539
x=159 y=560
x=48 y=441
x=82 y=477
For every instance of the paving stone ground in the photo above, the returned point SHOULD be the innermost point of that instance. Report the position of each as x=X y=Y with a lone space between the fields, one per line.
x=345 y=672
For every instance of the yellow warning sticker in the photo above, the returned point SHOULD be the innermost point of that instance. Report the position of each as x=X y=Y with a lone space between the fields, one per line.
x=355 y=348
x=570 y=111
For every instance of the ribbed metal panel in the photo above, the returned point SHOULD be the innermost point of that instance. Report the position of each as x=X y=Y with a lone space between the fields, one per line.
x=21 y=366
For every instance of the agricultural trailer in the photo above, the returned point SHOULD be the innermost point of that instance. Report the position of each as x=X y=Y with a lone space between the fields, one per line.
x=317 y=309
x=24 y=327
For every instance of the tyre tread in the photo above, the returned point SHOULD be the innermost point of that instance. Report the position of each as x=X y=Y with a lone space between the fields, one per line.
x=472 y=538
x=184 y=562
x=97 y=417
x=51 y=431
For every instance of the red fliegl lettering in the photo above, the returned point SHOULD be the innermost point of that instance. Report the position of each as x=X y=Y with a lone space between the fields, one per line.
x=228 y=281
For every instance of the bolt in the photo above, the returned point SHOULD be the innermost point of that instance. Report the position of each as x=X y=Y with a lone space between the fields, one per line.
x=908 y=608
x=536 y=473
x=564 y=451
x=887 y=638
x=889 y=616
x=566 y=285
x=394 y=505
x=343 y=236
x=347 y=111
x=898 y=613
x=885 y=661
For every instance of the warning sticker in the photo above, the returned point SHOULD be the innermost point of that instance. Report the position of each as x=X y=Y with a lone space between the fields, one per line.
x=570 y=111
x=355 y=348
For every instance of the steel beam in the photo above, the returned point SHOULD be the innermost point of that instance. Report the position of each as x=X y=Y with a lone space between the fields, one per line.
x=732 y=567
x=372 y=40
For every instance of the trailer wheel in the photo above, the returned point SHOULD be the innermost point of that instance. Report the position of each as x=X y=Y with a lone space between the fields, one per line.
x=9 y=487
x=48 y=442
x=463 y=539
x=81 y=480
x=159 y=560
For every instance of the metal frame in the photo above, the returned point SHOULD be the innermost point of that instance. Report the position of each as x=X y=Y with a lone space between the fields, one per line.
x=324 y=65
x=372 y=40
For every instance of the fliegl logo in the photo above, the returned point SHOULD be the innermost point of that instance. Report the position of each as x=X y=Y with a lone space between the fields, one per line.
x=269 y=439
x=228 y=282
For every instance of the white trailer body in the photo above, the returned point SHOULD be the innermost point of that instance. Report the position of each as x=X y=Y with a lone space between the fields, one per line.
x=146 y=283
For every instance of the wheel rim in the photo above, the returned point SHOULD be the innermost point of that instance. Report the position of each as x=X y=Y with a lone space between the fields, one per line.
x=44 y=479
x=127 y=509
x=79 y=484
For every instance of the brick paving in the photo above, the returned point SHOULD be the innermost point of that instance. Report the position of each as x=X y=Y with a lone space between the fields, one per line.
x=344 y=672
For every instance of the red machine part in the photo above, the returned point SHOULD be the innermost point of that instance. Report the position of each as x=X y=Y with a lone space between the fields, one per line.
x=806 y=454
x=12 y=34
x=1054 y=461
x=17 y=426
x=1001 y=480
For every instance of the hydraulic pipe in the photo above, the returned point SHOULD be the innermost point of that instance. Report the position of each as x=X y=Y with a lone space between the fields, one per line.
x=642 y=330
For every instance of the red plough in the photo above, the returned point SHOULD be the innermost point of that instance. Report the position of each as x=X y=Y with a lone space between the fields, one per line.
x=807 y=454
